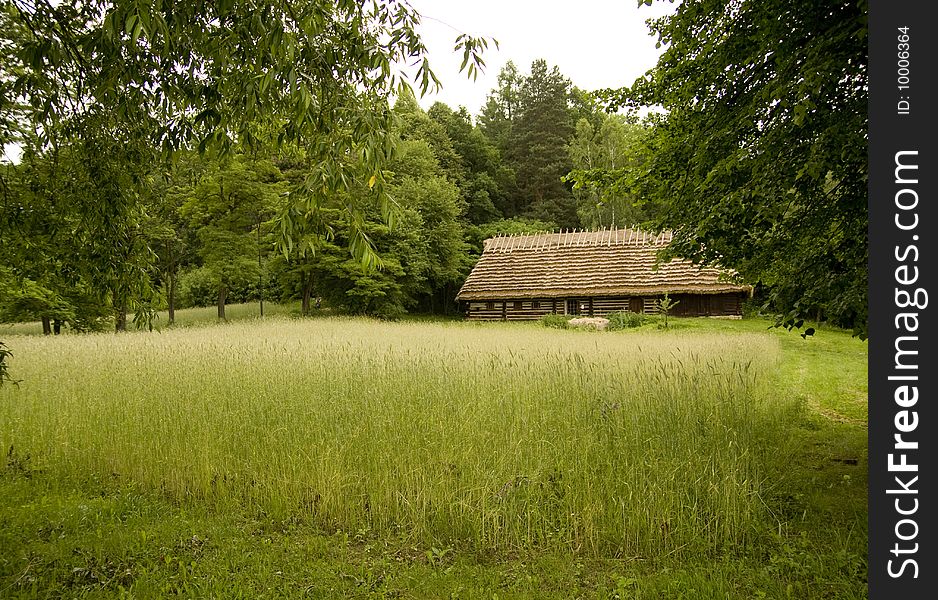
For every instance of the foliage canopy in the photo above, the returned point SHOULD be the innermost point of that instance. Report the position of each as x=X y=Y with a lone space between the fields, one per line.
x=170 y=74
x=759 y=158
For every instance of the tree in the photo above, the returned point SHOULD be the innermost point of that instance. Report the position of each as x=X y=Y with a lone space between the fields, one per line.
x=217 y=74
x=294 y=273
x=415 y=124
x=496 y=122
x=435 y=202
x=601 y=157
x=482 y=162
x=386 y=292
x=38 y=266
x=538 y=146
x=227 y=209
x=501 y=107
x=665 y=304
x=72 y=262
x=173 y=241
x=422 y=257
x=759 y=159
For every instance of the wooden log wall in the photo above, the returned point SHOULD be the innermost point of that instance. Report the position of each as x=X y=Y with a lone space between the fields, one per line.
x=650 y=305
x=604 y=306
x=512 y=310
x=708 y=305
x=689 y=305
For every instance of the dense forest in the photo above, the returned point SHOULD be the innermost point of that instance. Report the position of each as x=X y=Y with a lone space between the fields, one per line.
x=165 y=165
x=204 y=229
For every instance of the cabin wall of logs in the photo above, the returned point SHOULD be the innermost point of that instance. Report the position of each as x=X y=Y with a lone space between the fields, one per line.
x=530 y=309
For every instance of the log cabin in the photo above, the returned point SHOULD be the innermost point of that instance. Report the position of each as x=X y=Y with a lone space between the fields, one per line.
x=594 y=273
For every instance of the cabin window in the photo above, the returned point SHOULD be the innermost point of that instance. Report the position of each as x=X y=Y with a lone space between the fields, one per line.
x=489 y=306
x=536 y=305
x=518 y=304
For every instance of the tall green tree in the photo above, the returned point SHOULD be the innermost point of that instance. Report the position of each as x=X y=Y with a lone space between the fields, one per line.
x=501 y=106
x=295 y=272
x=539 y=139
x=55 y=237
x=40 y=247
x=438 y=210
x=228 y=209
x=530 y=119
x=495 y=122
x=422 y=257
x=602 y=156
x=415 y=124
x=482 y=162
x=759 y=158
x=386 y=292
x=173 y=240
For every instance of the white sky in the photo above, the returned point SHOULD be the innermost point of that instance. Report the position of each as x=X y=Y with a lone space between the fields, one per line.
x=595 y=43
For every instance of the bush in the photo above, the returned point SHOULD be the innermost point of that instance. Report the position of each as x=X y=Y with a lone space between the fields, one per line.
x=555 y=321
x=625 y=319
x=199 y=287
x=196 y=287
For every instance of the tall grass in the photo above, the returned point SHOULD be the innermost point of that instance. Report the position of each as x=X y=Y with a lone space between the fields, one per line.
x=201 y=315
x=489 y=436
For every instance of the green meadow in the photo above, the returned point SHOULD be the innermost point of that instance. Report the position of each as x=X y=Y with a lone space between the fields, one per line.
x=347 y=457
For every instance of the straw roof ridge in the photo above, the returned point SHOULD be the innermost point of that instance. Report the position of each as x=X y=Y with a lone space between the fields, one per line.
x=608 y=261
x=567 y=238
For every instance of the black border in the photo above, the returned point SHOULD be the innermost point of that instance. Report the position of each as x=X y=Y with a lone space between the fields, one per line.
x=891 y=132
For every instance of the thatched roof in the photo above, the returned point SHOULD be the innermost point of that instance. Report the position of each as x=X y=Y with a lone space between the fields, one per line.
x=611 y=262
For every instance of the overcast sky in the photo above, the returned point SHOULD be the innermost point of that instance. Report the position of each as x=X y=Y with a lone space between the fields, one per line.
x=595 y=43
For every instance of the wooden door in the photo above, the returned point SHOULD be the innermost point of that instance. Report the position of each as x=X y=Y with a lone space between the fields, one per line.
x=635 y=305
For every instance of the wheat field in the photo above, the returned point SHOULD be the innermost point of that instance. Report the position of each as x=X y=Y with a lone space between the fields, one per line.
x=627 y=444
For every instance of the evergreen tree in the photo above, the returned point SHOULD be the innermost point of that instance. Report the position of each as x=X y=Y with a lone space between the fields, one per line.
x=538 y=146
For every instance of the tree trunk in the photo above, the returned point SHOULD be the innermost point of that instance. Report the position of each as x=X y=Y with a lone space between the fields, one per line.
x=46 y=326
x=120 y=314
x=307 y=294
x=56 y=326
x=222 y=294
x=171 y=276
x=260 y=264
x=171 y=299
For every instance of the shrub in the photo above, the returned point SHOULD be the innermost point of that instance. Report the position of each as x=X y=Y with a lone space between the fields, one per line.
x=555 y=321
x=196 y=287
x=199 y=287
x=624 y=319
x=665 y=304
